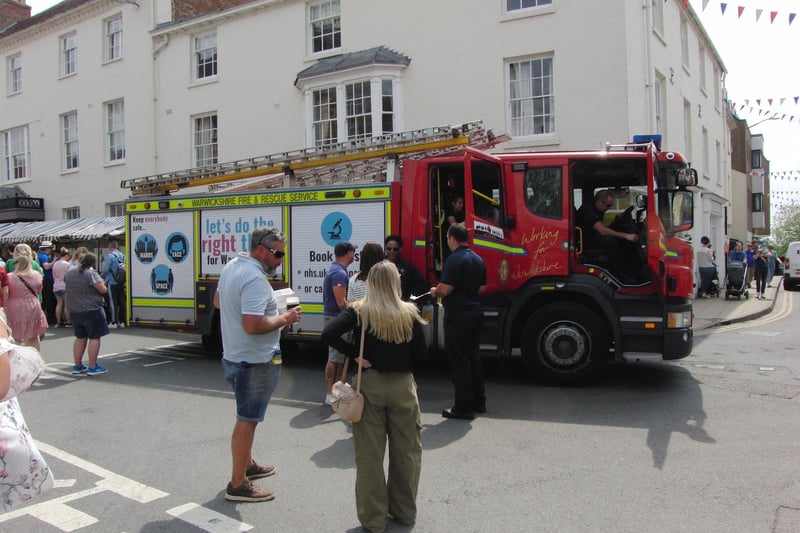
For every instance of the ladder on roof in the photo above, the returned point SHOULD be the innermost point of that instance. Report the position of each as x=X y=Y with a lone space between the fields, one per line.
x=348 y=162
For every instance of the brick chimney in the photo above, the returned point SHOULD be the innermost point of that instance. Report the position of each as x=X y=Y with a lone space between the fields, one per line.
x=13 y=11
x=185 y=9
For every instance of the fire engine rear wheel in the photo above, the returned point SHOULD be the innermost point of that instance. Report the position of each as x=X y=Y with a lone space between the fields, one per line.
x=564 y=343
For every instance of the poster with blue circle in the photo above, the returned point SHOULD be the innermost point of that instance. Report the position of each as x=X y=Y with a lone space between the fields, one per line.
x=335 y=228
x=177 y=247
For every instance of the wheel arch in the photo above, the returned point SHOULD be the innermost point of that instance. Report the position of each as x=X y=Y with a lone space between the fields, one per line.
x=527 y=300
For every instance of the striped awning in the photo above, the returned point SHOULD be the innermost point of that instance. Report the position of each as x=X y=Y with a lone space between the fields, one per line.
x=77 y=229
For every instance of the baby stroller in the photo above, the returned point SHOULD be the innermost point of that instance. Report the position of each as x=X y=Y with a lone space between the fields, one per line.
x=735 y=280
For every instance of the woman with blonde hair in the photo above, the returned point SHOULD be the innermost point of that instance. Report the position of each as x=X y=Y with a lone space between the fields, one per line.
x=21 y=299
x=20 y=250
x=393 y=338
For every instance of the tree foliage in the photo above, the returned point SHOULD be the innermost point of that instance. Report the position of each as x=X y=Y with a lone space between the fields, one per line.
x=786 y=227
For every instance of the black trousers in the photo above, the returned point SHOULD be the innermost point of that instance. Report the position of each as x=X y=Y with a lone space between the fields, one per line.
x=48 y=300
x=462 y=335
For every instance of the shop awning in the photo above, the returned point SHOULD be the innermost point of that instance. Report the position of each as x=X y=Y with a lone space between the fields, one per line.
x=77 y=229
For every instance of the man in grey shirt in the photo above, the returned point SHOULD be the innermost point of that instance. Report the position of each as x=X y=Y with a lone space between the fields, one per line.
x=250 y=337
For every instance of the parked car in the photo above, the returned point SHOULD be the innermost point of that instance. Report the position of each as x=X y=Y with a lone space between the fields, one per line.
x=791 y=266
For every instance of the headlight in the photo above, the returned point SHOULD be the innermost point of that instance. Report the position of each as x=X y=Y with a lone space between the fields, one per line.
x=679 y=319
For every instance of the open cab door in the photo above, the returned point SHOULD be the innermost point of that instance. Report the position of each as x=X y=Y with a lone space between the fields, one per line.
x=670 y=257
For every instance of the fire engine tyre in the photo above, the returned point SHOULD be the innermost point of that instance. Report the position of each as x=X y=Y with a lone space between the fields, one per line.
x=564 y=343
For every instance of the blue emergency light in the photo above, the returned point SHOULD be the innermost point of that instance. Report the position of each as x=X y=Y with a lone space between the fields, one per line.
x=655 y=138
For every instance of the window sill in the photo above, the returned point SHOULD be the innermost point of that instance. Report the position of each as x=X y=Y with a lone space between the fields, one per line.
x=204 y=81
x=117 y=163
x=70 y=75
x=110 y=61
x=526 y=13
x=533 y=141
x=659 y=36
x=15 y=93
x=70 y=171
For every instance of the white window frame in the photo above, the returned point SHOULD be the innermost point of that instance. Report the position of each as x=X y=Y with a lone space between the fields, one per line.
x=115 y=209
x=68 y=54
x=70 y=157
x=530 y=96
x=16 y=154
x=71 y=213
x=706 y=163
x=205 y=140
x=328 y=117
x=701 y=66
x=358 y=109
x=657 y=8
x=687 y=129
x=205 y=56
x=516 y=6
x=14 y=70
x=685 y=60
x=324 y=26
x=112 y=38
x=114 y=129
x=660 y=101
x=717 y=82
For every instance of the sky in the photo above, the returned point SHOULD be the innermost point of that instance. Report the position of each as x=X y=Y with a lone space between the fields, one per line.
x=760 y=57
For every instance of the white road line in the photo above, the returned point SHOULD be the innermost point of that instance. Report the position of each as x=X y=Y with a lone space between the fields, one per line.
x=63 y=483
x=159 y=363
x=113 y=482
x=56 y=513
x=207 y=520
x=128 y=359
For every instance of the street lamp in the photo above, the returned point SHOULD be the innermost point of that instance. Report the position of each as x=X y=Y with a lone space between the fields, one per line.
x=762 y=121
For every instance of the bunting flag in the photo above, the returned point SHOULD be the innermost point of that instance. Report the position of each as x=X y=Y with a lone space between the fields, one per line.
x=723 y=6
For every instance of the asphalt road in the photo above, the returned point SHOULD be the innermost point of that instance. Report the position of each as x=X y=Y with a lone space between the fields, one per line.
x=709 y=443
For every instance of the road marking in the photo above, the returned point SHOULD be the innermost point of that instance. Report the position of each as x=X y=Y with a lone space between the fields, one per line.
x=56 y=513
x=128 y=359
x=63 y=483
x=206 y=519
x=113 y=482
x=159 y=363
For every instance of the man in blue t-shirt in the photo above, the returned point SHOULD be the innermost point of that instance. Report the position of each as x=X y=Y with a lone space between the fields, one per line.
x=334 y=301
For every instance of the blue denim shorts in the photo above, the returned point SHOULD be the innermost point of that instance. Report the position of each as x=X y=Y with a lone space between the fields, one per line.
x=253 y=385
x=91 y=324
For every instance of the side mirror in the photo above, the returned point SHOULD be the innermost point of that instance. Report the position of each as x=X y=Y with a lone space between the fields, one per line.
x=686 y=177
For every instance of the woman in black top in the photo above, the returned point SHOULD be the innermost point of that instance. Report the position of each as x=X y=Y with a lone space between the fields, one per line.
x=391 y=407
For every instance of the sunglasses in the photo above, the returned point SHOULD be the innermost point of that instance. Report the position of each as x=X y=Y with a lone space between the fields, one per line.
x=392 y=249
x=277 y=253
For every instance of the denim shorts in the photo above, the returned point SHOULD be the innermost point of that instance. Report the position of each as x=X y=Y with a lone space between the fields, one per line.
x=253 y=385
x=334 y=355
x=91 y=324
x=59 y=294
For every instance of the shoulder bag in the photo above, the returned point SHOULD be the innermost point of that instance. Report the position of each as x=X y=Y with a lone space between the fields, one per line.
x=348 y=402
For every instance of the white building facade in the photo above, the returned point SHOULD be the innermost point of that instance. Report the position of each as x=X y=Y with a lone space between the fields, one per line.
x=106 y=90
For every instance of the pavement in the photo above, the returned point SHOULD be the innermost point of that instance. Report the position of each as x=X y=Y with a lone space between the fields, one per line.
x=713 y=312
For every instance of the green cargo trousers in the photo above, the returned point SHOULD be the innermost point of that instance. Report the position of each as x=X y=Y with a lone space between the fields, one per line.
x=391 y=409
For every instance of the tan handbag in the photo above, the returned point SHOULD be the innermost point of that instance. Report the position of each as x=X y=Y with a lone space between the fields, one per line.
x=348 y=402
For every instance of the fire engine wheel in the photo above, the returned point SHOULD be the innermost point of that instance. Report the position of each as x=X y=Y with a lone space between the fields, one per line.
x=564 y=343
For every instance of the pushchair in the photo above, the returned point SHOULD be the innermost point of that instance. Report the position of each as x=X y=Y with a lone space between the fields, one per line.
x=736 y=280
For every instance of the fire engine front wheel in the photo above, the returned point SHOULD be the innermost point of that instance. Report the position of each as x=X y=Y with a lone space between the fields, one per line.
x=564 y=343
